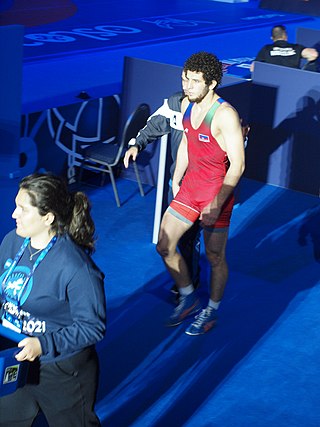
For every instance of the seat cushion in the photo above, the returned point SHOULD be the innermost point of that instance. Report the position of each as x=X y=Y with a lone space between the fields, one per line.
x=101 y=152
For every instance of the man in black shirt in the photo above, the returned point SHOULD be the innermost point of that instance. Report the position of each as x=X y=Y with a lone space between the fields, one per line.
x=281 y=52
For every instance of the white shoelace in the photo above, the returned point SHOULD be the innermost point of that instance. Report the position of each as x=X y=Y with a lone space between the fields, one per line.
x=205 y=313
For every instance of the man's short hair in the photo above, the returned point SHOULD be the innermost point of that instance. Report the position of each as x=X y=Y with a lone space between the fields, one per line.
x=278 y=32
x=207 y=64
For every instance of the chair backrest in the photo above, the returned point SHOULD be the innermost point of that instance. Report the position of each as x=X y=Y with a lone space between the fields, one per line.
x=136 y=121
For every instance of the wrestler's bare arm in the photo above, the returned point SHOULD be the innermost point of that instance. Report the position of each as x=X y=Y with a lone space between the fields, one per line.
x=227 y=127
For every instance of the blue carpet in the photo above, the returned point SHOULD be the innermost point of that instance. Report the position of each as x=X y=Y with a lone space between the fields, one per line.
x=67 y=27
x=96 y=27
x=259 y=367
x=67 y=51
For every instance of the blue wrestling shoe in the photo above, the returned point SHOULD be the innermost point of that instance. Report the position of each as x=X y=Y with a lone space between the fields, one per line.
x=188 y=305
x=204 y=321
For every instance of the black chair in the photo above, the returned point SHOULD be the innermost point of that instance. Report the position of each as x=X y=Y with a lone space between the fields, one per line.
x=105 y=158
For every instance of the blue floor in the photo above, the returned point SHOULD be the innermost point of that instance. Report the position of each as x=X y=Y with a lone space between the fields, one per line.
x=259 y=367
x=124 y=24
x=82 y=46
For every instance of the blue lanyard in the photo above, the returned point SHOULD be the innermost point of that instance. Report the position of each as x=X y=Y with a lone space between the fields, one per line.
x=17 y=258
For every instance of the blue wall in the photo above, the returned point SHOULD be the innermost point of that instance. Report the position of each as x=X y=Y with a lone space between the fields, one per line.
x=10 y=118
x=284 y=146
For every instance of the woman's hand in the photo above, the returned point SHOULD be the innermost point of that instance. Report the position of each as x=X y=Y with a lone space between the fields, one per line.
x=31 y=349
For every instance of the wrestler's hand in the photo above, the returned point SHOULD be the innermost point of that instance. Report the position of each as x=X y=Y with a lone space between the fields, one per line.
x=210 y=214
x=31 y=349
x=131 y=153
x=245 y=132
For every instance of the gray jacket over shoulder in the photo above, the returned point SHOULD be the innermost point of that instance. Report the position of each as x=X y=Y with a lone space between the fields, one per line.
x=164 y=121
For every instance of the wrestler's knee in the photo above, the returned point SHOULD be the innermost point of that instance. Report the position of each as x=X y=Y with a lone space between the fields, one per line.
x=215 y=258
x=164 y=242
x=163 y=245
x=162 y=249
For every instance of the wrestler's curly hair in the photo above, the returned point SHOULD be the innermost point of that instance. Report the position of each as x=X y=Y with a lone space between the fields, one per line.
x=207 y=64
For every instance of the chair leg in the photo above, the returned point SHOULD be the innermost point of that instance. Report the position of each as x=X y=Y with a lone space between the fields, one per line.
x=103 y=178
x=113 y=182
x=135 y=167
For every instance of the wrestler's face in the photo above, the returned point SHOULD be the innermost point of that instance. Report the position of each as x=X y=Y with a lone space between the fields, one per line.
x=197 y=89
x=184 y=83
